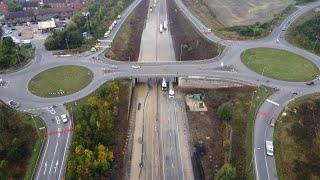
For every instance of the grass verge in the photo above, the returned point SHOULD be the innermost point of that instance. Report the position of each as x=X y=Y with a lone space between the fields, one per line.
x=60 y=81
x=187 y=41
x=35 y=157
x=126 y=44
x=279 y=64
x=258 y=98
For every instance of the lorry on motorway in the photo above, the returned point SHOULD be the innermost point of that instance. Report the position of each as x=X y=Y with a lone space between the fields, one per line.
x=171 y=90
x=165 y=25
x=161 y=27
x=269 y=148
x=164 y=84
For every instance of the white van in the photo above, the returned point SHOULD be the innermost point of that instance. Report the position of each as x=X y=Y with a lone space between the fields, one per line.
x=269 y=148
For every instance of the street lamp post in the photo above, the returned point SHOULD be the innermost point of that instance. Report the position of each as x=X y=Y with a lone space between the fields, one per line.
x=180 y=51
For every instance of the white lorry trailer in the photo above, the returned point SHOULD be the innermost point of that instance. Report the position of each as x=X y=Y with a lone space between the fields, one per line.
x=171 y=90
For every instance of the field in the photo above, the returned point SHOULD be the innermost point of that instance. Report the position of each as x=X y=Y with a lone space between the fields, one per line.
x=60 y=81
x=297 y=133
x=126 y=45
x=279 y=64
x=187 y=40
x=221 y=16
x=246 y=102
x=245 y=12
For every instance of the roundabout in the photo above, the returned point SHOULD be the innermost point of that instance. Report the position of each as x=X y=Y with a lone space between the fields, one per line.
x=63 y=83
x=60 y=81
x=279 y=64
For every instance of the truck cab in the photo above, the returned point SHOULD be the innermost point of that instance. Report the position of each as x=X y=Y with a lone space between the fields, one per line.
x=164 y=84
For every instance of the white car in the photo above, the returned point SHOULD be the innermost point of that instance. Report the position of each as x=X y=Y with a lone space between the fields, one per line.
x=93 y=50
x=136 y=67
x=269 y=148
x=64 y=118
x=8 y=31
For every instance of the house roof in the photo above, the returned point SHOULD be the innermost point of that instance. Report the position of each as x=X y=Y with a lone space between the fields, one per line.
x=19 y=14
x=29 y=4
x=54 y=1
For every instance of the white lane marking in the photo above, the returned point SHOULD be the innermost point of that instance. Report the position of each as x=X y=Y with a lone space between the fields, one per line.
x=273 y=102
x=44 y=155
x=51 y=110
x=57 y=119
x=255 y=162
x=265 y=156
x=59 y=130
x=65 y=149
x=45 y=168
x=54 y=153
x=55 y=168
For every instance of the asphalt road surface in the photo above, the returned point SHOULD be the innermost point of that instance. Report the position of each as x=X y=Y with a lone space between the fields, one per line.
x=52 y=162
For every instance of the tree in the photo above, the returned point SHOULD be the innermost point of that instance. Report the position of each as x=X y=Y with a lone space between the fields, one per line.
x=225 y=112
x=227 y=172
x=13 y=6
x=46 y=6
x=4 y=124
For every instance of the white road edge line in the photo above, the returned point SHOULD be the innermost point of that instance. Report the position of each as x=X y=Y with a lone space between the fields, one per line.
x=65 y=150
x=265 y=156
x=45 y=151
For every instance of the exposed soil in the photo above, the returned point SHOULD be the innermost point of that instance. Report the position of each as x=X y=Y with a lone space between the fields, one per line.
x=246 y=12
x=187 y=40
x=207 y=124
x=126 y=45
x=223 y=17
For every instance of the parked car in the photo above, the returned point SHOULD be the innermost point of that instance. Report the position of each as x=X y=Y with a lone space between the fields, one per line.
x=93 y=50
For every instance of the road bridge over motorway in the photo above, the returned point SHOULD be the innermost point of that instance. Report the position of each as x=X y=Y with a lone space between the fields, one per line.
x=51 y=165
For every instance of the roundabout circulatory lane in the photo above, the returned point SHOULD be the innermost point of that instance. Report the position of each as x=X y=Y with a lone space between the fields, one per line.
x=52 y=162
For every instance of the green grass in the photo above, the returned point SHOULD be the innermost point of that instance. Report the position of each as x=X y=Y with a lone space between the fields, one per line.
x=70 y=79
x=279 y=64
x=258 y=98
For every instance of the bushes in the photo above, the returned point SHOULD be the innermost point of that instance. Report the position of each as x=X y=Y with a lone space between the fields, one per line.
x=307 y=34
x=64 y=40
x=227 y=172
